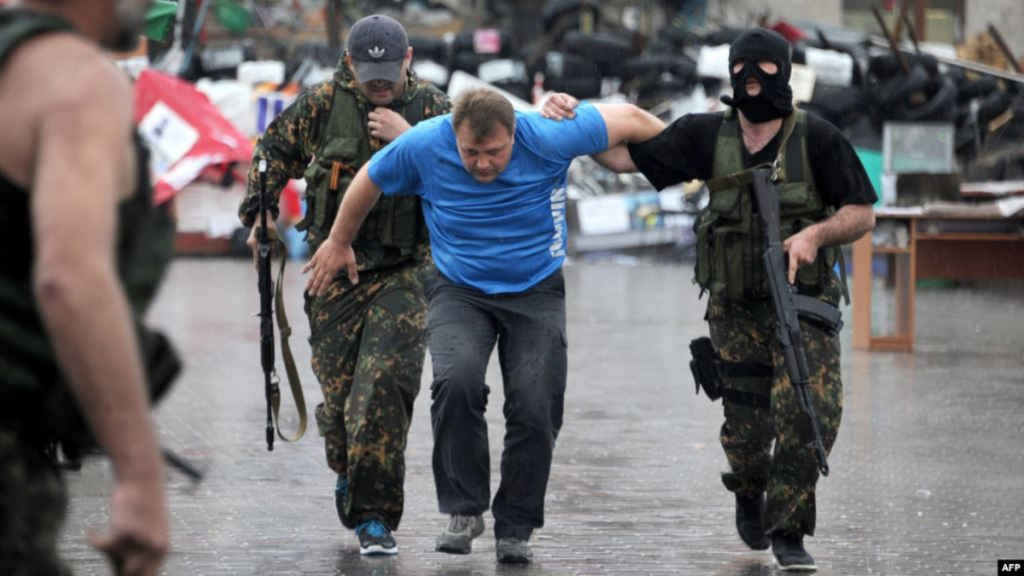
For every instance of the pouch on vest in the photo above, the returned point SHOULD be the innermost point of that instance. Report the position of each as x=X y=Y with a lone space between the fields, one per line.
x=326 y=180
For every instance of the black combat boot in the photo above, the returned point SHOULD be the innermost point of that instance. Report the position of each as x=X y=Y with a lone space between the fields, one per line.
x=789 y=552
x=750 y=521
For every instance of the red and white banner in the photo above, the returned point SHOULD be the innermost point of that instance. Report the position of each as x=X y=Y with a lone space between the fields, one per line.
x=185 y=132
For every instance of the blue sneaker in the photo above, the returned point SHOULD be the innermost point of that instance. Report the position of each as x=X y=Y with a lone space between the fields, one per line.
x=340 y=495
x=375 y=539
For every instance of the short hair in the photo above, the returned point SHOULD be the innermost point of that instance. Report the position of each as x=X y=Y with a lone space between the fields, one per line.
x=483 y=108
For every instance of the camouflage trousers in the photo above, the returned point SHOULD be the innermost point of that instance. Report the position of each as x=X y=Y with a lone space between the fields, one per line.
x=369 y=344
x=762 y=410
x=33 y=503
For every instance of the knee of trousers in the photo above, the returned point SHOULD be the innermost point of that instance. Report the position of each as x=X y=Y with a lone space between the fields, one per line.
x=459 y=388
x=534 y=413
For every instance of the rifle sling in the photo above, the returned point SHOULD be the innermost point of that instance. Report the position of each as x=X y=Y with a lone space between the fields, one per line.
x=285 y=330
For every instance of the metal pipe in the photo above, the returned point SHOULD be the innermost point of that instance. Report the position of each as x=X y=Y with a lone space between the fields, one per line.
x=962 y=64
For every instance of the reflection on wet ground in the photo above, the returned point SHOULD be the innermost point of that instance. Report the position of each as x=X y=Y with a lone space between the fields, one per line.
x=926 y=474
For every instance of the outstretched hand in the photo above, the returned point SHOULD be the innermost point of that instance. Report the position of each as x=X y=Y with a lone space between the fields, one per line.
x=329 y=259
x=559 y=106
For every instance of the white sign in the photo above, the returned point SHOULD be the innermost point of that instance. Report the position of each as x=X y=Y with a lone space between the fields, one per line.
x=713 y=62
x=833 y=68
x=603 y=214
x=802 y=83
x=169 y=137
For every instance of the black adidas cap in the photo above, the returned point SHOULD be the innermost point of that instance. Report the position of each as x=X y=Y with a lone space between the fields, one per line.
x=378 y=45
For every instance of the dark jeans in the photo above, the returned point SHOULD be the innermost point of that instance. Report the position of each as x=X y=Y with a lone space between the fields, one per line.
x=463 y=326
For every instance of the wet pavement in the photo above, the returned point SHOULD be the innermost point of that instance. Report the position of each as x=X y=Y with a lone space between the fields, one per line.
x=927 y=473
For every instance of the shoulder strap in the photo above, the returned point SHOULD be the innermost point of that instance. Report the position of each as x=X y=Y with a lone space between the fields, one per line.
x=343 y=103
x=787 y=131
x=744 y=177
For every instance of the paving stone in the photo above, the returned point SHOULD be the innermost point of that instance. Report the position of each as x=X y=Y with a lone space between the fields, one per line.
x=926 y=474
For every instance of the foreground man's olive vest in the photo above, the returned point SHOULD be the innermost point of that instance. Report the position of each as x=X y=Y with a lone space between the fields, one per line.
x=730 y=235
x=395 y=221
x=29 y=372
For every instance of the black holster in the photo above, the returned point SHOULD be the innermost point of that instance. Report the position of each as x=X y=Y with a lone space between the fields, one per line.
x=704 y=367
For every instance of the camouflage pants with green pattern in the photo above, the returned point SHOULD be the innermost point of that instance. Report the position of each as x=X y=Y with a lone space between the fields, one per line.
x=766 y=410
x=368 y=345
x=33 y=502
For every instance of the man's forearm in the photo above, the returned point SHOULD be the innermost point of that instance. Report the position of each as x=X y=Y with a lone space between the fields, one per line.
x=848 y=224
x=359 y=199
x=105 y=374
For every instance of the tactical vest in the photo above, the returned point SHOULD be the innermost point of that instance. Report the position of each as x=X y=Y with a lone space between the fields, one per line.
x=395 y=221
x=730 y=236
x=28 y=366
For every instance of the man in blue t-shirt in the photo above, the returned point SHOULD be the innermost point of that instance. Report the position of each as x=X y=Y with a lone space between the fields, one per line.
x=492 y=183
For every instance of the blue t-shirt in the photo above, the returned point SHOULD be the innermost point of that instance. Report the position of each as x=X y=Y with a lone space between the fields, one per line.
x=503 y=236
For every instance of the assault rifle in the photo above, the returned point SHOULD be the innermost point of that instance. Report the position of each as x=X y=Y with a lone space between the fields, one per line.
x=266 y=285
x=787 y=303
x=269 y=295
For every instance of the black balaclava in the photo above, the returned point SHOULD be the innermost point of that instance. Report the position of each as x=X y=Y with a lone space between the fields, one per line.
x=776 y=97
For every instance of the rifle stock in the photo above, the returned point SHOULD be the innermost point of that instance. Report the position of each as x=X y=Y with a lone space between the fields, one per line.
x=791 y=338
x=266 y=287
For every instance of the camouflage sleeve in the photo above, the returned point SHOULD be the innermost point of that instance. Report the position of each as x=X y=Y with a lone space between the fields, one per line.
x=288 y=145
x=439 y=103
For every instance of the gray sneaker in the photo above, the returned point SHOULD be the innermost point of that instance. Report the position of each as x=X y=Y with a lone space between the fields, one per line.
x=513 y=551
x=457 y=537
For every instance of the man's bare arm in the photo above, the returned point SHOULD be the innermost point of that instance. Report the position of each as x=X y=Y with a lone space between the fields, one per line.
x=616 y=159
x=848 y=224
x=82 y=170
x=626 y=124
x=336 y=251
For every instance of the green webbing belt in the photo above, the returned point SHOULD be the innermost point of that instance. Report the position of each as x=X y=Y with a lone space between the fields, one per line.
x=285 y=331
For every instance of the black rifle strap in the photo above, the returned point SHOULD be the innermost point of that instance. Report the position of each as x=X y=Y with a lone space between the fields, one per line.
x=285 y=330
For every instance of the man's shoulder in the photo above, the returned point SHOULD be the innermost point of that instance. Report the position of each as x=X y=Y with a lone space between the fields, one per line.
x=702 y=121
x=316 y=96
x=819 y=128
x=433 y=125
x=65 y=73
x=426 y=89
x=427 y=135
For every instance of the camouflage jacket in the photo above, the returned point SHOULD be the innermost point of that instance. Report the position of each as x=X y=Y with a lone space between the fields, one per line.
x=291 y=141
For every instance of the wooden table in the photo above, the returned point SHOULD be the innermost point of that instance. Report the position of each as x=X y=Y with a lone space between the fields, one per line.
x=933 y=251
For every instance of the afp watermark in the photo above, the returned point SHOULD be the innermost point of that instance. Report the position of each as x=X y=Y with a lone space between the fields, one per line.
x=1011 y=566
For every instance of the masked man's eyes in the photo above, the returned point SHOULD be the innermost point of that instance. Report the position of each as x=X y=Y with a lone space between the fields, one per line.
x=767 y=66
